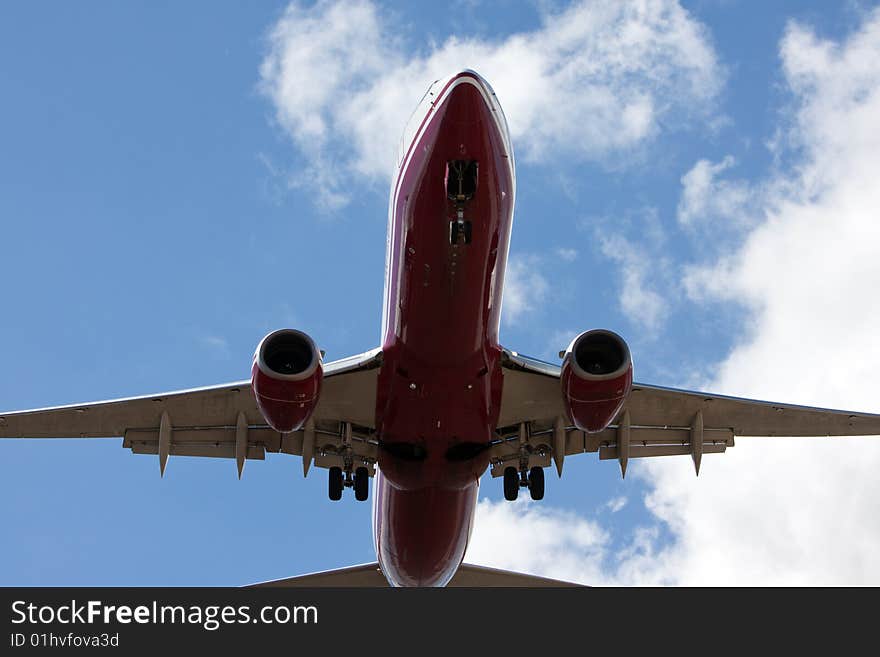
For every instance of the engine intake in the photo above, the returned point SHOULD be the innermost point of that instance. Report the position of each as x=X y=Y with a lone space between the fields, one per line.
x=596 y=379
x=286 y=378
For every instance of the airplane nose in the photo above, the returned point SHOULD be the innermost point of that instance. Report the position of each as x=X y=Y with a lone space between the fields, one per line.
x=475 y=79
x=468 y=102
x=471 y=73
x=472 y=103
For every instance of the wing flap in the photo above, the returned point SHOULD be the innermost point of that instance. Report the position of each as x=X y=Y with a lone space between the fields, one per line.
x=643 y=442
x=644 y=451
x=211 y=450
x=210 y=442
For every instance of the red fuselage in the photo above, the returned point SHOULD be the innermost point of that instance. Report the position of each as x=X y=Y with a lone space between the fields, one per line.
x=440 y=383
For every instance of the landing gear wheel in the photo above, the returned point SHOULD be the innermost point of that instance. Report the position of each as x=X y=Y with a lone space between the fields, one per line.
x=361 y=484
x=511 y=484
x=335 y=487
x=536 y=483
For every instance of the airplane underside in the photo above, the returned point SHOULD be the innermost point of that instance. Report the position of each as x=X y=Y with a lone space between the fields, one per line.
x=440 y=401
x=440 y=380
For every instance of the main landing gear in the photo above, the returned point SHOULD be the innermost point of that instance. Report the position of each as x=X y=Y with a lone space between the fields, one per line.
x=360 y=482
x=532 y=479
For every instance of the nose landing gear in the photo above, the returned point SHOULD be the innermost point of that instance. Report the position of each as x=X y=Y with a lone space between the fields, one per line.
x=461 y=180
x=461 y=185
x=532 y=479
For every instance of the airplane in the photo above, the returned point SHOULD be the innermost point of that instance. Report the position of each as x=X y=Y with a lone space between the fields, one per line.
x=440 y=401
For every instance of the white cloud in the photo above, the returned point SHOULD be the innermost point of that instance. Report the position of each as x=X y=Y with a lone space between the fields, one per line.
x=593 y=81
x=549 y=542
x=560 y=544
x=775 y=510
x=639 y=300
x=567 y=255
x=524 y=288
x=770 y=511
x=799 y=511
x=215 y=343
x=616 y=504
x=705 y=197
x=559 y=341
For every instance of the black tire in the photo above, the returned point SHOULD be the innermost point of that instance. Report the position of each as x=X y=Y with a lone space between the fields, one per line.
x=536 y=483
x=511 y=484
x=361 y=484
x=335 y=487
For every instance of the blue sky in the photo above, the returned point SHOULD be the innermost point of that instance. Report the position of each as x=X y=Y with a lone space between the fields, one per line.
x=164 y=204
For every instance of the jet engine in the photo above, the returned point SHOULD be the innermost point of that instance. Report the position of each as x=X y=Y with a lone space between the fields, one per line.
x=286 y=378
x=596 y=379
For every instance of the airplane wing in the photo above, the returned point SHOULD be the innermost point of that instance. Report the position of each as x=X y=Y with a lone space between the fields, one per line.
x=223 y=421
x=655 y=421
x=370 y=575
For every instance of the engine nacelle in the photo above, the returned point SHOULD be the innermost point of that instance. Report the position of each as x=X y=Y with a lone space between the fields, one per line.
x=286 y=377
x=596 y=379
